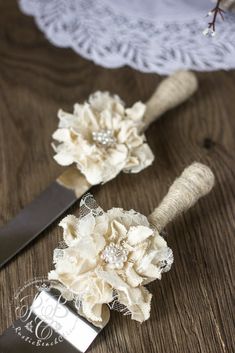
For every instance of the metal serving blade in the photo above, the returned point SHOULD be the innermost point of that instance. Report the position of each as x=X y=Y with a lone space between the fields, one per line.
x=40 y=213
x=51 y=326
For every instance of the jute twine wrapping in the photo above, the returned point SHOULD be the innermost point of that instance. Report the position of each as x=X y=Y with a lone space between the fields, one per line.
x=195 y=181
x=171 y=92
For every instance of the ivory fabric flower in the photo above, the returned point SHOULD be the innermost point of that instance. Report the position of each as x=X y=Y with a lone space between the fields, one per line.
x=110 y=256
x=102 y=137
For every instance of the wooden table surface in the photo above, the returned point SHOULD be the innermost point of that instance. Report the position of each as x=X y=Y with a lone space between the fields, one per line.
x=192 y=305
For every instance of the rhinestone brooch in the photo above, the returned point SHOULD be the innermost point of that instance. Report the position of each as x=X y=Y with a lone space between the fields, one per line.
x=103 y=137
x=115 y=255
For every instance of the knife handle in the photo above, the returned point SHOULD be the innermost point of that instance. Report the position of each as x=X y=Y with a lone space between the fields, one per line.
x=195 y=181
x=171 y=92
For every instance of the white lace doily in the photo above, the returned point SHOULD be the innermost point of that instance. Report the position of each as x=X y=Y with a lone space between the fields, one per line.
x=148 y=35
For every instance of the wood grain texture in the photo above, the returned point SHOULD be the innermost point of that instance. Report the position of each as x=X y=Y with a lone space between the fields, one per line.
x=192 y=307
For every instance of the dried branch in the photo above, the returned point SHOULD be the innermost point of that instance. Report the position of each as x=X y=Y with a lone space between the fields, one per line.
x=217 y=10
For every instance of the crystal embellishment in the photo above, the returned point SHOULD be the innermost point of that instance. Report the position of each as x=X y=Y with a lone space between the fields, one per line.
x=103 y=137
x=115 y=255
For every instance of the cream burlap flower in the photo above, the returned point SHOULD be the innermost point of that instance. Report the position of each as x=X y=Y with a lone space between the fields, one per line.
x=110 y=255
x=101 y=137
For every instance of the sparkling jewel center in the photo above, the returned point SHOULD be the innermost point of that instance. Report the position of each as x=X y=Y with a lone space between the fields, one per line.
x=103 y=137
x=115 y=255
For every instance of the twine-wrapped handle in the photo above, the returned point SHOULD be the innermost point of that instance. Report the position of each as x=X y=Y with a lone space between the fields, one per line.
x=195 y=181
x=171 y=92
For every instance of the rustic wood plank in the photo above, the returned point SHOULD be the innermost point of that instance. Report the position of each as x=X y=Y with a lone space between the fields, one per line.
x=192 y=306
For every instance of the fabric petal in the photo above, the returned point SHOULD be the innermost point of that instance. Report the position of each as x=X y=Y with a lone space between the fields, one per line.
x=137 y=300
x=145 y=158
x=70 y=226
x=132 y=277
x=61 y=135
x=140 y=305
x=63 y=158
x=137 y=111
x=86 y=225
x=138 y=234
